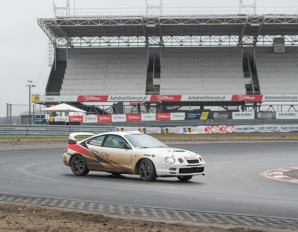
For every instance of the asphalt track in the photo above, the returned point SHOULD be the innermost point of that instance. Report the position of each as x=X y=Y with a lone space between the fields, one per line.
x=232 y=183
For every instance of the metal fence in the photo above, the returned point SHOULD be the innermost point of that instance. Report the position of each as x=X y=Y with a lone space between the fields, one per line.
x=37 y=130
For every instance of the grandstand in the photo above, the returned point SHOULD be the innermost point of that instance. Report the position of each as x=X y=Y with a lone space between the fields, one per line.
x=199 y=55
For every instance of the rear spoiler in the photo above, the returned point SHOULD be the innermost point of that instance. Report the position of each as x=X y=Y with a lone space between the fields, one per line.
x=73 y=140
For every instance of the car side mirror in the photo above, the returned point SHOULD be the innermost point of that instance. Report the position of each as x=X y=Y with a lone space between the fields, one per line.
x=126 y=146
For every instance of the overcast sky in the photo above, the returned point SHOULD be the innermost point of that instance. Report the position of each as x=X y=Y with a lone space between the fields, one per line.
x=23 y=44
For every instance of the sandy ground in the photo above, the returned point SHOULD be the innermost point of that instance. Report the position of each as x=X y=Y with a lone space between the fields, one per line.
x=19 y=217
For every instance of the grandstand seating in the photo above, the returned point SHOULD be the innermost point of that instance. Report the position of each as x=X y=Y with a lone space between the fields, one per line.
x=202 y=71
x=105 y=71
x=277 y=73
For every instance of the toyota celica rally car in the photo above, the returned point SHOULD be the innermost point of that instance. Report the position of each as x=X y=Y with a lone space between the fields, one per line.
x=130 y=153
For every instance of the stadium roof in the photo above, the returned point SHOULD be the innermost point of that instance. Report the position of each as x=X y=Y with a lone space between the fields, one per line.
x=67 y=28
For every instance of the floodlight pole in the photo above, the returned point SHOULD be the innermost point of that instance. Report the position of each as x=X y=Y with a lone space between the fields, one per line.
x=30 y=86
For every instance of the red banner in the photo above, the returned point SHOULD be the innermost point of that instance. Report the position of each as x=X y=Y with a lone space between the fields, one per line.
x=93 y=98
x=163 y=116
x=249 y=98
x=76 y=119
x=133 y=117
x=104 y=118
x=166 y=98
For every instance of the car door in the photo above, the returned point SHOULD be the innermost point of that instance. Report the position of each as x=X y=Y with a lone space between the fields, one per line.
x=118 y=153
x=95 y=147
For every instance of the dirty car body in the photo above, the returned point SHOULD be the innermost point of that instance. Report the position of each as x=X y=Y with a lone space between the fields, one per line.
x=131 y=153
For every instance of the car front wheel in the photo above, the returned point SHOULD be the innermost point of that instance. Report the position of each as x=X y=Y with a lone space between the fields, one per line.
x=78 y=165
x=184 y=178
x=147 y=170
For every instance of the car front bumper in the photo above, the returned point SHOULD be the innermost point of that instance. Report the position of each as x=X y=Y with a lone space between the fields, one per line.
x=181 y=170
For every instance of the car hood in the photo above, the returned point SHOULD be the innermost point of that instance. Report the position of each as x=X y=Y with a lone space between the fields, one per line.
x=169 y=151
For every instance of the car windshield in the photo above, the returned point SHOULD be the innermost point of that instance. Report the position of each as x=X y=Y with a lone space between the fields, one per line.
x=144 y=141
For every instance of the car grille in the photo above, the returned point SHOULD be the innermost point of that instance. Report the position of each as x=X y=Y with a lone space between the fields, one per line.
x=191 y=170
x=196 y=161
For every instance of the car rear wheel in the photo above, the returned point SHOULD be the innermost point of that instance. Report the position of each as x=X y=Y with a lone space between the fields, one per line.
x=147 y=170
x=184 y=178
x=78 y=165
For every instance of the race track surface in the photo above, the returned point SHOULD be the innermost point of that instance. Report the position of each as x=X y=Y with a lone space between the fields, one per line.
x=232 y=183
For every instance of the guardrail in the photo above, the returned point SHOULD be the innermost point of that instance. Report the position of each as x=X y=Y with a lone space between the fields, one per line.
x=38 y=130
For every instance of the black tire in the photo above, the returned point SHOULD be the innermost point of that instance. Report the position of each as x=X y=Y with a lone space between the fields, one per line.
x=79 y=166
x=184 y=178
x=147 y=170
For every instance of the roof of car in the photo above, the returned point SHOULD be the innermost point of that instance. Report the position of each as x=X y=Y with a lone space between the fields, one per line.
x=123 y=133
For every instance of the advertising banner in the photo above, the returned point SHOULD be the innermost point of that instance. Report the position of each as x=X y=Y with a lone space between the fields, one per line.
x=165 y=98
x=61 y=119
x=104 y=118
x=76 y=119
x=148 y=117
x=177 y=116
x=206 y=98
x=194 y=115
x=129 y=98
x=133 y=117
x=288 y=128
x=286 y=115
x=243 y=115
x=93 y=98
x=55 y=99
x=163 y=116
x=40 y=119
x=221 y=115
x=266 y=115
x=118 y=118
x=280 y=98
x=90 y=119
x=247 y=98
x=204 y=115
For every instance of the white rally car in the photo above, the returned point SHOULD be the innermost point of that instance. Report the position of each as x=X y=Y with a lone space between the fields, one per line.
x=130 y=153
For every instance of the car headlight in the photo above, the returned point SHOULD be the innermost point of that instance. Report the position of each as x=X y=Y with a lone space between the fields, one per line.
x=170 y=160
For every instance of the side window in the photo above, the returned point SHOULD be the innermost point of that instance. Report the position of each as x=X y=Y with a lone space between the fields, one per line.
x=114 y=141
x=97 y=141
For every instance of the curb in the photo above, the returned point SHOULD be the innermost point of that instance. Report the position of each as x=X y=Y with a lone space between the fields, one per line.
x=279 y=175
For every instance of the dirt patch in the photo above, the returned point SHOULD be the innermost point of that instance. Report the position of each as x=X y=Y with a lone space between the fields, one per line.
x=19 y=217
x=292 y=173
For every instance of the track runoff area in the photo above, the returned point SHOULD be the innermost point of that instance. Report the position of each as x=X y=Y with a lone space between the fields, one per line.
x=237 y=203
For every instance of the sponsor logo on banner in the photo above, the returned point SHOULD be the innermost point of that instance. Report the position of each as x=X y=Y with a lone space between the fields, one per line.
x=194 y=115
x=204 y=115
x=243 y=115
x=204 y=98
x=61 y=119
x=76 y=119
x=215 y=129
x=286 y=115
x=104 y=118
x=163 y=116
x=208 y=130
x=186 y=130
x=148 y=117
x=220 y=115
x=58 y=98
x=166 y=98
x=230 y=129
x=118 y=129
x=177 y=116
x=164 y=130
x=266 y=115
x=248 y=98
x=118 y=118
x=137 y=103
x=222 y=129
x=133 y=117
x=142 y=130
x=91 y=118
x=93 y=98
x=128 y=98
x=35 y=98
x=280 y=98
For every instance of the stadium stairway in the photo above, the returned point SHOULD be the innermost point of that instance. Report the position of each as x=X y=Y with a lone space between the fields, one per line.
x=56 y=78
